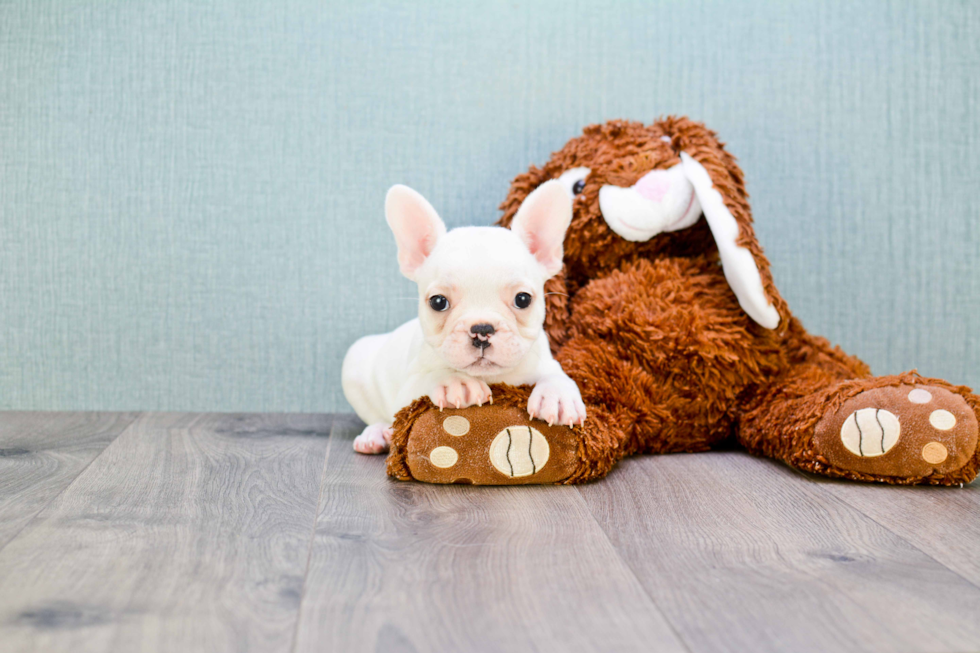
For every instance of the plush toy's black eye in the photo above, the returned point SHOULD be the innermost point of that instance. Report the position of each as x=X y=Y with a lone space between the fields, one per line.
x=578 y=186
x=522 y=300
x=438 y=303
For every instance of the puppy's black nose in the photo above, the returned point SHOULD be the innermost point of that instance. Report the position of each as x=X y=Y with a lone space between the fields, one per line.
x=481 y=335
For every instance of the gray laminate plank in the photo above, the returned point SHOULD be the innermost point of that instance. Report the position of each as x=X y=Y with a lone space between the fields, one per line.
x=942 y=522
x=401 y=566
x=189 y=533
x=742 y=554
x=42 y=453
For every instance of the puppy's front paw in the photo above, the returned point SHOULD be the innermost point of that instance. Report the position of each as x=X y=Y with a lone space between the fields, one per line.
x=461 y=392
x=557 y=401
x=375 y=438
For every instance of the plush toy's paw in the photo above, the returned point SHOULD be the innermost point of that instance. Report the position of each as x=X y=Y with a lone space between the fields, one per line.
x=461 y=392
x=492 y=445
x=373 y=439
x=557 y=401
x=910 y=431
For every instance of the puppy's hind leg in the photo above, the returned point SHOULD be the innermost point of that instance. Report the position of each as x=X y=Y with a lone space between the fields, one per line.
x=375 y=438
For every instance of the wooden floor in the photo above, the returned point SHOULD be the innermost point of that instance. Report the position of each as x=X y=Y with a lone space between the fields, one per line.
x=181 y=532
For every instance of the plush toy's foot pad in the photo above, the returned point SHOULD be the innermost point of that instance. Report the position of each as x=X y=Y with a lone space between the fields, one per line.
x=900 y=431
x=489 y=445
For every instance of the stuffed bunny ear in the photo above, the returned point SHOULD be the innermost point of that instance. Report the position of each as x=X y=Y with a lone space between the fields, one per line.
x=416 y=225
x=738 y=263
x=541 y=223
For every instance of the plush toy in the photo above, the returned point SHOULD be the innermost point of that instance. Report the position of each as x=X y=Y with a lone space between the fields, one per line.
x=667 y=317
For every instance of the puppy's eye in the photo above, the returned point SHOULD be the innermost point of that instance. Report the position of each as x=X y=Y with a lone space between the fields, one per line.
x=578 y=187
x=438 y=303
x=522 y=300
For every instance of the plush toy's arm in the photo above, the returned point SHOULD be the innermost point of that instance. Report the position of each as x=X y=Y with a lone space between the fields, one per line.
x=556 y=299
x=649 y=309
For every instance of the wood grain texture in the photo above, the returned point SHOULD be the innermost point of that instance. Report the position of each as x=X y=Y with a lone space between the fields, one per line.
x=42 y=453
x=410 y=567
x=259 y=533
x=743 y=554
x=942 y=522
x=189 y=533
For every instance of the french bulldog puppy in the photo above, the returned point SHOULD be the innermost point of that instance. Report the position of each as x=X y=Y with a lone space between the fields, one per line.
x=481 y=313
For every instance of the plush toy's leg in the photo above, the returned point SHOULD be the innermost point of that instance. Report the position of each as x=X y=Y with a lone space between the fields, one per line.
x=498 y=444
x=902 y=429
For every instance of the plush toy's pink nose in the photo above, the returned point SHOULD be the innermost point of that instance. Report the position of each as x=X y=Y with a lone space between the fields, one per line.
x=653 y=185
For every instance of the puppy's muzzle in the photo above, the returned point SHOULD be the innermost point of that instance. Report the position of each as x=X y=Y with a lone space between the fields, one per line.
x=481 y=335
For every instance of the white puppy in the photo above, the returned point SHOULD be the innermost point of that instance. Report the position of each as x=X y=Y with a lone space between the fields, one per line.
x=481 y=313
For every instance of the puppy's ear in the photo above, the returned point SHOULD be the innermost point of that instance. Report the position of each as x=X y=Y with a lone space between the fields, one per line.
x=416 y=225
x=522 y=186
x=541 y=223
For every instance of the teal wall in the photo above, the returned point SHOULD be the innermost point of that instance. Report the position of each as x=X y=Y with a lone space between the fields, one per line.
x=191 y=192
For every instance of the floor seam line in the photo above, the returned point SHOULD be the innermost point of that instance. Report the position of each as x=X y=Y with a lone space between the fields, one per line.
x=605 y=535
x=316 y=520
x=911 y=544
x=34 y=517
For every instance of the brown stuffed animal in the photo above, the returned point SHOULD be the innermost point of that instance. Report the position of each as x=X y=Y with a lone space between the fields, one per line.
x=667 y=317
